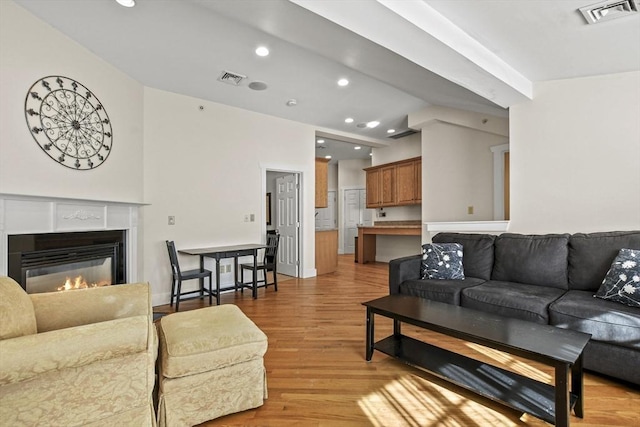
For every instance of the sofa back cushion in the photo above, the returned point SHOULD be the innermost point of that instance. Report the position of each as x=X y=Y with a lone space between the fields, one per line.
x=477 y=252
x=17 y=317
x=532 y=259
x=591 y=255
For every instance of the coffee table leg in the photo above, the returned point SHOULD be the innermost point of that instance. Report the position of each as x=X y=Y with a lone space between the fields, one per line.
x=577 y=387
x=562 y=396
x=397 y=331
x=369 y=339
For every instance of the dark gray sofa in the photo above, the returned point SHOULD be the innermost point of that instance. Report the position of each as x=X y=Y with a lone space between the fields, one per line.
x=548 y=279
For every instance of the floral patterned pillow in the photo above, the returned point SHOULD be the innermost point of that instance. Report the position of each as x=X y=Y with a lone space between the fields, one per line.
x=442 y=261
x=622 y=282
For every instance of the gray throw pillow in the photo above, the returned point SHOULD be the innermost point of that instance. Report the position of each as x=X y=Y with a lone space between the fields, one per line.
x=442 y=261
x=622 y=282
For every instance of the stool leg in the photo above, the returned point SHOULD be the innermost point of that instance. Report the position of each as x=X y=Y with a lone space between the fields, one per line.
x=178 y=294
x=211 y=290
x=173 y=291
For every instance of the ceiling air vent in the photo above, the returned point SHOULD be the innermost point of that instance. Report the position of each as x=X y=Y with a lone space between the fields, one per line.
x=402 y=134
x=609 y=9
x=231 y=78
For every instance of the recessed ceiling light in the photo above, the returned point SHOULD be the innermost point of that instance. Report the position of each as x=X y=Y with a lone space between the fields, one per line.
x=343 y=82
x=257 y=85
x=126 y=3
x=320 y=141
x=348 y=120
x=371 y=154
x=357 y=147
x=327 y=157
x=373 y=124
x=262 y=51
x=391 y=130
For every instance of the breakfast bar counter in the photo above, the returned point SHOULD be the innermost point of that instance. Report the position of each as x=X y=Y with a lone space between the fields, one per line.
x=367 y=236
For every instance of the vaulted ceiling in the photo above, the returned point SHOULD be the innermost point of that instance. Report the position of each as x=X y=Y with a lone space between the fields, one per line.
x=399 y=56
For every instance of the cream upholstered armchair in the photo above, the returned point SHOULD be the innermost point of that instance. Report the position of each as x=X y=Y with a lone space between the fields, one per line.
x=81 y=357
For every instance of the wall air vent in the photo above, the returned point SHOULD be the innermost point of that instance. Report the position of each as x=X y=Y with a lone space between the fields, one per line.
x=231 y=78
x=609 y=9
x=402 y=134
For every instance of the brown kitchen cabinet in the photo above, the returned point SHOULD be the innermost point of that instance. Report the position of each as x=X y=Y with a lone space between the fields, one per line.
x=322 y=182
x=394 y=184
x=409 y=182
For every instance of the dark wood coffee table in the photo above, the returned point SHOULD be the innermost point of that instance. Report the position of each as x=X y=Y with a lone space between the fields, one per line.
x=553 y=346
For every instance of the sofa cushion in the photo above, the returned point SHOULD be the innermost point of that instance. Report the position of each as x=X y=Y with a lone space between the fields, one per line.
x=17 y=316
x=591 y=255
x=516 y=300
x=477 y=252
x=447 y=291
x=442 y=261
x=622 y=282
x=532 y=259
x=606 y=321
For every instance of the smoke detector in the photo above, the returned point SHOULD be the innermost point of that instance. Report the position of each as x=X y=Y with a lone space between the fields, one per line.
x=608 y=10
x=231 y=78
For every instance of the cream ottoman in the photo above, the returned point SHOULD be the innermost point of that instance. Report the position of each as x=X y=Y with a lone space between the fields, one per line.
x=211 y=364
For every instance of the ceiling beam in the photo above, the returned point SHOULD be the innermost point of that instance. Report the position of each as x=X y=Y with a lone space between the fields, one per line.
x=417 y=32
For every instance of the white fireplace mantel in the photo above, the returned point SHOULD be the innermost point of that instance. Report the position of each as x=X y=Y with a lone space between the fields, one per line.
x=25 y=214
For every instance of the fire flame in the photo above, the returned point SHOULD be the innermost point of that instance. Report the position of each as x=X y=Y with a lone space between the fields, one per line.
x=80 y=283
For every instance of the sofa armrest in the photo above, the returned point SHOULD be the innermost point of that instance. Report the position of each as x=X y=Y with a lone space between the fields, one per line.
x=31 y=355
x=60 y=310
x=401 y=269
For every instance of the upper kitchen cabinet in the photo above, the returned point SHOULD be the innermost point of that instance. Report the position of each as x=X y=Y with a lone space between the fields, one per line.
x=395 y=184
x=409 y=182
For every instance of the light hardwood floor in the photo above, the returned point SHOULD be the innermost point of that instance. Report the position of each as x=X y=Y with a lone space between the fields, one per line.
x=317 y=374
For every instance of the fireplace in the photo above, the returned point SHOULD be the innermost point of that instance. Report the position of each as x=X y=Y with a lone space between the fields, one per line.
x=47 y=262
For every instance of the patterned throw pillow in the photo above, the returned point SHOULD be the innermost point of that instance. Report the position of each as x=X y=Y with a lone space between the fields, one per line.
x=622 y=282
x=442 y=261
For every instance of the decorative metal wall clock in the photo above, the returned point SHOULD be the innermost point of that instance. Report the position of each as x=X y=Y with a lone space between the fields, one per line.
x=68 y=122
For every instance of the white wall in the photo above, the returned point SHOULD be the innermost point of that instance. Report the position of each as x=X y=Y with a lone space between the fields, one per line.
x=575 y=156
x=207 y=168
x=457 y=167
x=30 y=50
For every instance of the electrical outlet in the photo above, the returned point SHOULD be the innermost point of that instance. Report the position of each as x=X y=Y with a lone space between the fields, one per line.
x=253 y=217
x=470 y=210
x=246 y=218
x=172 y=220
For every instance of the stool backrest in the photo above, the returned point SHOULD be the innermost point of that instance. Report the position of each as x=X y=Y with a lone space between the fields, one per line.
x=173 y=258
x=271 y=251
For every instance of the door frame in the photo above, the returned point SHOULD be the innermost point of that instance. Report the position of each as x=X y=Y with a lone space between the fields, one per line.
x=300 y=236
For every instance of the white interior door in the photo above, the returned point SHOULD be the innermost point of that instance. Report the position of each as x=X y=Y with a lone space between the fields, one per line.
x=288 y=224
x=351 y=219
x=326 y=217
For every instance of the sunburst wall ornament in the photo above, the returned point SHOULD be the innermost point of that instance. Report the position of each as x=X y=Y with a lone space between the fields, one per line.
x=68 y=122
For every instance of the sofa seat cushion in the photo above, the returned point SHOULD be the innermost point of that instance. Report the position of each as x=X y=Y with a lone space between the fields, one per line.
x=509 y=299
x=606 y=321
x=442 y=290
x=206 y=339
x=477 y=252
x=532 y=259
x=17 y=315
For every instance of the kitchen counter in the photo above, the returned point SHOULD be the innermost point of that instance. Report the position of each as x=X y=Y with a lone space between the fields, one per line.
x=326 y=251
x=367 y=236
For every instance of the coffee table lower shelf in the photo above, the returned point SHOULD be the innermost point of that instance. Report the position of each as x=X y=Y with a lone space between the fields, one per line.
x=512 y=389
